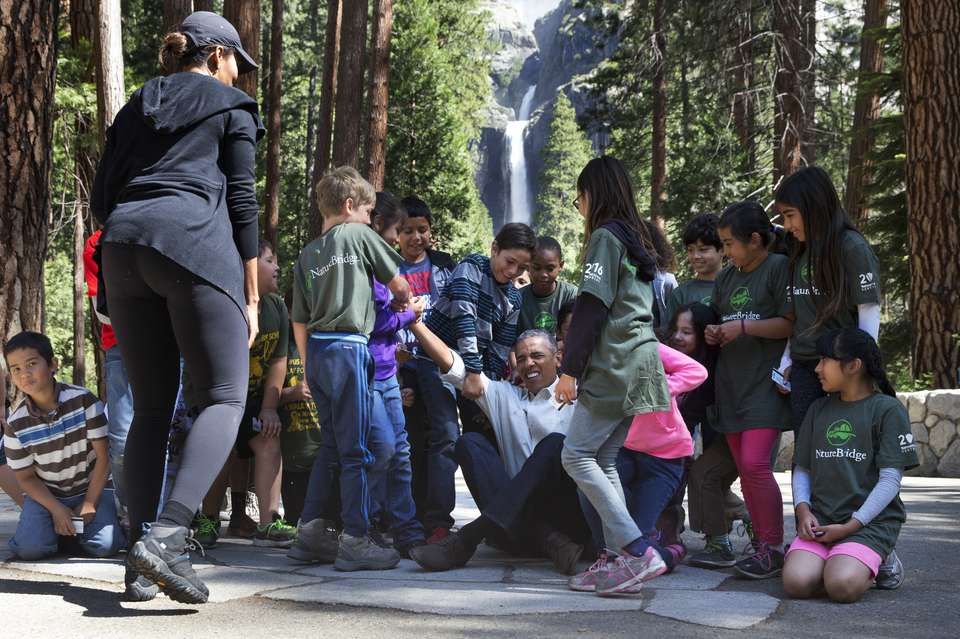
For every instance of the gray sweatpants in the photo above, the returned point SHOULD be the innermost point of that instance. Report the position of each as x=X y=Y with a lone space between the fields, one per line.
x=590 y=458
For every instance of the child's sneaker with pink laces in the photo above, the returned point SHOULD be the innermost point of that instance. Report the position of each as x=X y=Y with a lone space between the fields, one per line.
x=587 y=581
x=628 y=573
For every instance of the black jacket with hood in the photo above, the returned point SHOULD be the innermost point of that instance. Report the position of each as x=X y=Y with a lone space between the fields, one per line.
x=177 y=175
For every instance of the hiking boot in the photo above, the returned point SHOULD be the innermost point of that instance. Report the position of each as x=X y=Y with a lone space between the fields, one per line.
x=162 y=557
x=587 y=581
x=628 y=573
x=761 y=561
x=360 y=553
x=439 y=534
x=276 y=534
x=380 y=539
x=890 y=575
x=670 y=526
x=563 y=552
x=449 y=552
x=716 y=554
x=206 y=531
x=242 y=526
x=315 y=543
x=136 y=587
x=404 y=549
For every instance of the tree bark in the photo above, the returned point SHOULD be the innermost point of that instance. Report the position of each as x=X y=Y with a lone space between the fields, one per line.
x=744 y=112
x=791 y=58
x=328 y=92
x=349 y=99
x=272 y=210
x=203 y=5
x=931 y=46
x=866 y=110
x=808 y=79
x=244 y=15
x=379 y=93
x=174 y=11
x=658 y=144
x=110 y=90
x=28 y=61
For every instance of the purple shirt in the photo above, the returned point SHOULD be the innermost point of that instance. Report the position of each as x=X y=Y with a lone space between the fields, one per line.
x=383 y=338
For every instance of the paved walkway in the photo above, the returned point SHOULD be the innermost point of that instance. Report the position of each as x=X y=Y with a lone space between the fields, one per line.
x=492 y=585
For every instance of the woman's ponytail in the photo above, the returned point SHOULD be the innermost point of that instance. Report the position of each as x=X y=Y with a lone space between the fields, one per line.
x=172 y=51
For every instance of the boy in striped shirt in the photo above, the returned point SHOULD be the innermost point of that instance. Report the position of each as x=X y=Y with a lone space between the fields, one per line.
x=56 y=442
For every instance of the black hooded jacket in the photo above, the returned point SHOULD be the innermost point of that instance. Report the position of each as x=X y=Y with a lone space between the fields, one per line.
x=177 y=175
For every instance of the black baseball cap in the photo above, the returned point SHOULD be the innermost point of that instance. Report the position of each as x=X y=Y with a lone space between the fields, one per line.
x=204 y=28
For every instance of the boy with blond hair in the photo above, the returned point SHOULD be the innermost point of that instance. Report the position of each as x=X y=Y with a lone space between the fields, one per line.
x=333 y=313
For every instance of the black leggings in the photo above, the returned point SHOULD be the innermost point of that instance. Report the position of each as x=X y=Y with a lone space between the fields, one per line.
x=159 y=312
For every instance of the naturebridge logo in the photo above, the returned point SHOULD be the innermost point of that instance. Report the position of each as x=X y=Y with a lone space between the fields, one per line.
x=740 y=298
x=839 y=433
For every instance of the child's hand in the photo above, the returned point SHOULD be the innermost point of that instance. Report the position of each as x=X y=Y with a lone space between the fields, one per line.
x=270 y=422
x=399 y=306
x=786 y=378
x=729 y=331
x=86 y=510
x=63 y=521
x=473 y=386
x=806 y=523
x=833 y=533
x=566 y=391
x=408 y=397
x=300 y=393
x=418 y=306
x=711 y=334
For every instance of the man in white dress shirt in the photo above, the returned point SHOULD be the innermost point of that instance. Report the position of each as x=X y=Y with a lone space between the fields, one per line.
x=520 y=486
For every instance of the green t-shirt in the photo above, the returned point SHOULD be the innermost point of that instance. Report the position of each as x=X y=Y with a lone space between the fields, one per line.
x=300 y=439
x=268 y=346
x=862 y=280
x=541 y=312
x=844 y=445
x=689 y=292
x=746 y=396
x=332 y=286
x=625 y=375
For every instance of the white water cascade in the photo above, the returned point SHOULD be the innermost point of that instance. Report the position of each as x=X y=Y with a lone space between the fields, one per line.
x=521 y=200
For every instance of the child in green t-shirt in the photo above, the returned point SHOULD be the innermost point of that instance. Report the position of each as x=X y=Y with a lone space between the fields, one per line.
x=705 y=258
x=852 y=450
x=540 y=302
x=333 y=313
x=613 y=352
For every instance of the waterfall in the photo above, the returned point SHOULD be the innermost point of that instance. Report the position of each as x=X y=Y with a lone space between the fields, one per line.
x=521 y=200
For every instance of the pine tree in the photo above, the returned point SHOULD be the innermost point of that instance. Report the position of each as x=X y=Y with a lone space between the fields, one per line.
x=564 y=156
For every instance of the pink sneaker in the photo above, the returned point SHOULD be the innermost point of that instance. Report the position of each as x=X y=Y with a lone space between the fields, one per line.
x=627 y=575
x=587 y=581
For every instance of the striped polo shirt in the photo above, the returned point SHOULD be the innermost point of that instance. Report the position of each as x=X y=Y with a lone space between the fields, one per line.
x=57 y=444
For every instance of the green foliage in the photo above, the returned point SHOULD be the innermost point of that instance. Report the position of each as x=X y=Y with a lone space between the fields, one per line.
x=438 y=84
x=566 y=152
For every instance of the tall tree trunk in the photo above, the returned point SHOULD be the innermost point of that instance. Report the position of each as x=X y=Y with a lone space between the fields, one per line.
x=110 y=90
x=28 y=61
x=308 y=154
x=244 y=15
x=789 y=120
x=379 y=93
x=349 y=99
x=203 y=5
x=328 y=92
x=271 y=213
x=931 y=47
x=174 y=11
x=83 y=29
x=866 y=110
x=743 y=102
x=658 y=155
x=808 y=79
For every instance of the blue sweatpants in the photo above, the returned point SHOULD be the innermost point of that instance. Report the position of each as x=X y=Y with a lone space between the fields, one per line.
x=340 y=375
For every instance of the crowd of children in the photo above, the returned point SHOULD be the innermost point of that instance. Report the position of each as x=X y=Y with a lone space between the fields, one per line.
x=598 y=407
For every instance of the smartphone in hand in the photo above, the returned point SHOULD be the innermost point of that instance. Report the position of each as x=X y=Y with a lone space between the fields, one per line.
x=779 y=379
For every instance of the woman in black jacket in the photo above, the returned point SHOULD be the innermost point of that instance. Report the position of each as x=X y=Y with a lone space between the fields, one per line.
x=175 y=193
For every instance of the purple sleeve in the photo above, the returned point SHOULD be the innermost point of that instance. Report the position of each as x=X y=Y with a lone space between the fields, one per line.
x=388 y=321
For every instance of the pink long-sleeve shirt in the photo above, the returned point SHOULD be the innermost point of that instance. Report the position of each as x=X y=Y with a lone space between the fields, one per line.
x=664 y=434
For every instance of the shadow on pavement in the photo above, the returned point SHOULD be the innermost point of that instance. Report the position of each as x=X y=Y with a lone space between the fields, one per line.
x=97 y=602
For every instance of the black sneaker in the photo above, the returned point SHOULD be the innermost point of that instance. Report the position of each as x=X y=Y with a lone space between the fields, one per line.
x=161 y=556
x=404 y=549
x=716 y=554
x=762 y=562
x=449 y=552
x=136 y=587
x=890 y=575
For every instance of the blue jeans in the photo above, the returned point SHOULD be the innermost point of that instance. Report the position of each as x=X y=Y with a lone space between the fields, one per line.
x=440 y=400
x=391 y=474
x=36 y=538
x=119 y=414
x=339 y=373
x=648 y=485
